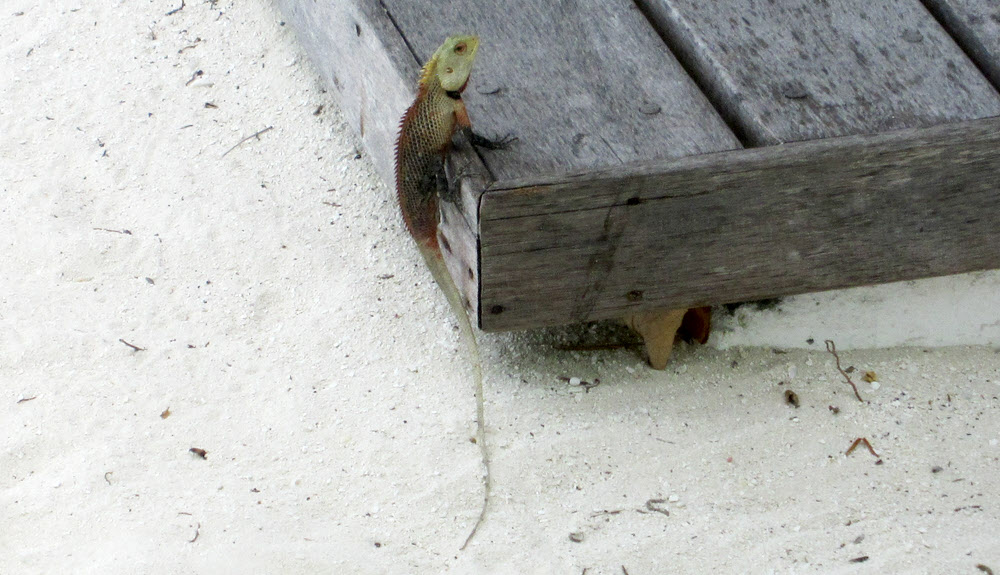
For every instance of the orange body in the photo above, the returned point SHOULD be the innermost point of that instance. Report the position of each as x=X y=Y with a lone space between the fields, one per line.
x=425 y=135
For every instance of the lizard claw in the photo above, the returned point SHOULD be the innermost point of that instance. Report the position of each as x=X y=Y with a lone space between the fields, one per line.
x=491 y=144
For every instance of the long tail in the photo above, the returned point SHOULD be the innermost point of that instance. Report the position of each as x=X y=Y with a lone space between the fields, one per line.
x=440 y=272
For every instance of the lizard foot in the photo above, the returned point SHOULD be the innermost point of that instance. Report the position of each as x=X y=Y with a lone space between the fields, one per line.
x=492 y=144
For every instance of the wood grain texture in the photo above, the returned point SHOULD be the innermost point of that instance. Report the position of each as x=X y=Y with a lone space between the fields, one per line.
x=583 y=85
x=975 y=24
x=742 y=225
x=459 y=242
x=805 y=69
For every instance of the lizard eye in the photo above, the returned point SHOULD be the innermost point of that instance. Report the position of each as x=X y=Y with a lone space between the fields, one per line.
x=460 y=48
x=449 y=70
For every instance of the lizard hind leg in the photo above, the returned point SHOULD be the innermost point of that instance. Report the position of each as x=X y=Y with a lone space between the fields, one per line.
x=449 y=185
x=418 y=197
x=446 y=184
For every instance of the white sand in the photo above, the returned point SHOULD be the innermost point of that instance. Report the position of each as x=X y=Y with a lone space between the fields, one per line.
x=291 y=330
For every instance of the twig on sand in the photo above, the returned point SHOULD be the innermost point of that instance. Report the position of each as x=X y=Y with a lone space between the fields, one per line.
x=832 y=348
x=134 y=347
x=254 y=135
x=125 y=232
x=657 y=505
x=176 y=10
x=864 y=441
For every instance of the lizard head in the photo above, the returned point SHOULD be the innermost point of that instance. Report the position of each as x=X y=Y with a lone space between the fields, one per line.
x=454 y=61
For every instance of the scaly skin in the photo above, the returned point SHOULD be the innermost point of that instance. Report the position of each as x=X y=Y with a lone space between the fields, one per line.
x=425 y=136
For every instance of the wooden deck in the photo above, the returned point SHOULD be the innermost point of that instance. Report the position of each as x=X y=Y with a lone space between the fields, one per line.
x=674 y=153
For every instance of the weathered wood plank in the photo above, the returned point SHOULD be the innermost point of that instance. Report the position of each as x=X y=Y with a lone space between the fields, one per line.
x=804 y=69
x=357 y=50
x=579 y=98
x=976 y=26
x=583 y=85
x=741 y=225
x=557 y=76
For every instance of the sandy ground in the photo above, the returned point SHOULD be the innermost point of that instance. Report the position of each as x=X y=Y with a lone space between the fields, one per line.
x=164 y=287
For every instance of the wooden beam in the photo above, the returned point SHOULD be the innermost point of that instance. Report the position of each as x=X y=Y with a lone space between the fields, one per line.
x=800 y=69
x=655 y=217
x=742 y=225
x=581 y=89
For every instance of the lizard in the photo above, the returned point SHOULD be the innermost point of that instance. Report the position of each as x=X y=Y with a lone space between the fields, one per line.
x=425 y=138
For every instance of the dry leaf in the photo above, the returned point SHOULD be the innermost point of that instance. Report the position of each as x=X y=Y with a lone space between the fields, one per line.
x=791 y=398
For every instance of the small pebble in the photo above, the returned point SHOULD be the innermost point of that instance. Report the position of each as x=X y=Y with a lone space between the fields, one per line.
x=791 y=398
x=649 y=108
x=574 y=381
x=485 y=86
x=794 y=90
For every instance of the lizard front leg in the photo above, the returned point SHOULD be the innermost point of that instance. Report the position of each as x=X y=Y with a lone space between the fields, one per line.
x=463 y=123
x=490 y=144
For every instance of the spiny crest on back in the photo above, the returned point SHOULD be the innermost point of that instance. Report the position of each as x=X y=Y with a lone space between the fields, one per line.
x=452 y=62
